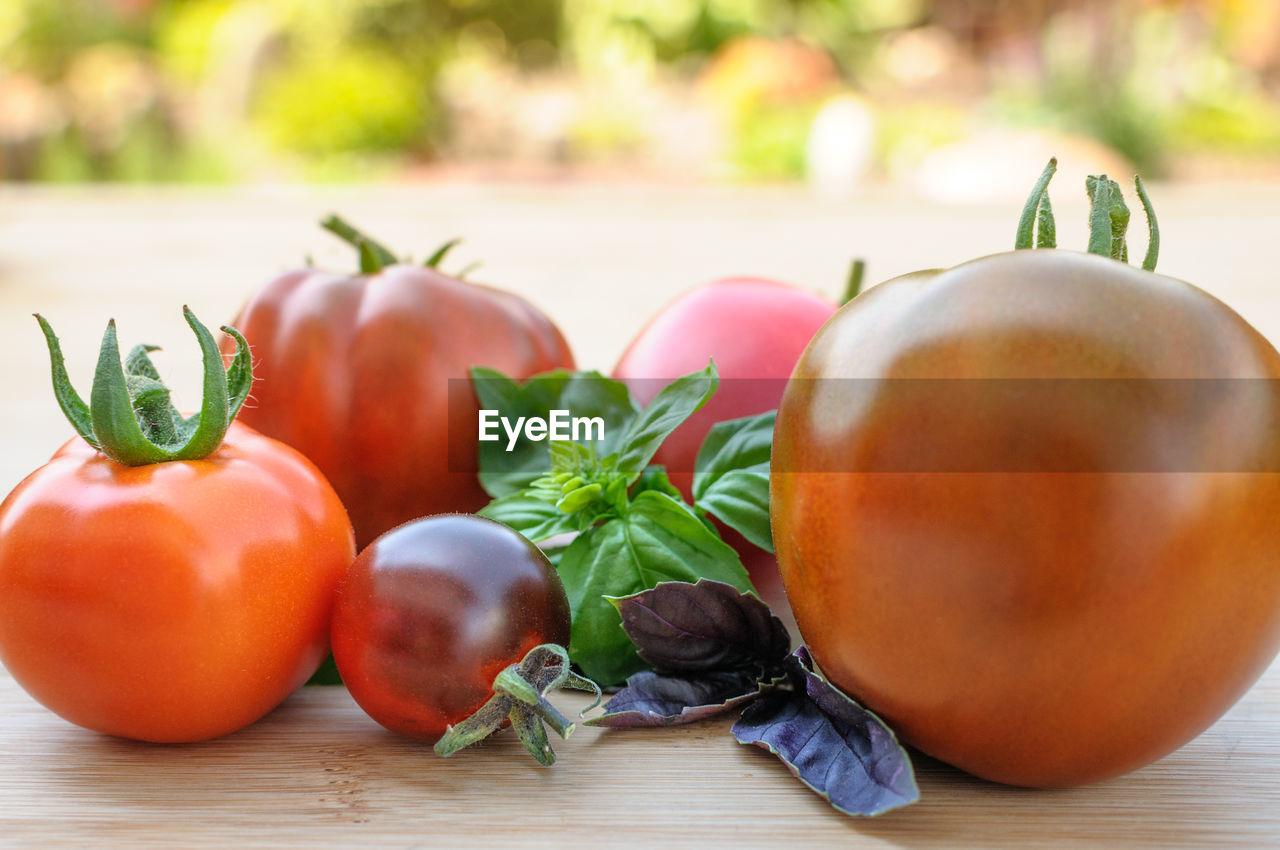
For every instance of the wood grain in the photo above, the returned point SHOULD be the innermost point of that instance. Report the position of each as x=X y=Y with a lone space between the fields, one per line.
x=317 y=772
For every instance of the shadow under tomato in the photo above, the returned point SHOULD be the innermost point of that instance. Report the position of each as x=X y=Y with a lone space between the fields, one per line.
x=316 y=756
x=1183 y=800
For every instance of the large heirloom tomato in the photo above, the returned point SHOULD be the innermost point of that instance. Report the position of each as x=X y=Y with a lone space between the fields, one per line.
x=354 y=371
x=168 y=599
x=1041 y=582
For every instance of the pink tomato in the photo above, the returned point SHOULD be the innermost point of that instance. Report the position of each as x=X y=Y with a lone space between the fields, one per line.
x=755 y=330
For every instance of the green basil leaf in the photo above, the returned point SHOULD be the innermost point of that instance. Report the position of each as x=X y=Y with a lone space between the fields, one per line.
x=740 y=499
x=731 y=478
x=583 y=394
x=536 y=519
x=733 y=444
x=677 y=401
x=655 y=477
x=658 y=540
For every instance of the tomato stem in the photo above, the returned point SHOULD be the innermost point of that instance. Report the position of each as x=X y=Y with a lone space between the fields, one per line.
x=520 y=695
x=551 y=715
x=433 y=262
x=853 y=283
x=129 y=416
x=374 y=256
x=1108 y=218
x=1031 y=211
x=1153 y=227
x=480 y=725
x=73 y=406
x=530 y=731
x=513 y=684
x=1046 y=226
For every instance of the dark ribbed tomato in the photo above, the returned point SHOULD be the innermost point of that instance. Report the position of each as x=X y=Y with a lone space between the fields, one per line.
x=354 y=371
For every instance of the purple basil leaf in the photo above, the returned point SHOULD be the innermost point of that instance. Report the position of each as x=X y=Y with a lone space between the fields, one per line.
x=682 y=627
x=652 y=699
x=835 y=746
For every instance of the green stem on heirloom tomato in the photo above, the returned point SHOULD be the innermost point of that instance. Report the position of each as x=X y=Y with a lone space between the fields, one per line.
x=1153 y=228
x=853 y=283
x=374 y=256
x=1030 y=212
x=1108 y=218
x=129 y=417
x=433 y=262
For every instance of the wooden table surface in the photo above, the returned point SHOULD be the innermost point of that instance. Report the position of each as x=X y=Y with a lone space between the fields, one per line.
x=598 y=258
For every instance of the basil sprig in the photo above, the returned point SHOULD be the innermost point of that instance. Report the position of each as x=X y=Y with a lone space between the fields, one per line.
x=633 y=529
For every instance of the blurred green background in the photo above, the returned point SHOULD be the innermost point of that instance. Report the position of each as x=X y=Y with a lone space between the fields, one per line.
x=834 y=91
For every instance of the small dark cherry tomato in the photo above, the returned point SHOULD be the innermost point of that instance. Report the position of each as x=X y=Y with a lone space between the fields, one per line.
x=433 y=610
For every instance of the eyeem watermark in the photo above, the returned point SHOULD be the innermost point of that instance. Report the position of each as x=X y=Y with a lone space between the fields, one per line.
x=559 y=426
x=941 y=425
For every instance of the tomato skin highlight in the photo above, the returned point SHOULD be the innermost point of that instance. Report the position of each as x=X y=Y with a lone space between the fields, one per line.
x=354 y=371
x=173 y=602
x=1033 y=628
x=433 y=610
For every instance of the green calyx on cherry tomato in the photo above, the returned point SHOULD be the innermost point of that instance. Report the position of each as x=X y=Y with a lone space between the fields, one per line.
x=1083 y=611
x=165 y=578
x=520 y=696
x=367 y=375
x=447 y=626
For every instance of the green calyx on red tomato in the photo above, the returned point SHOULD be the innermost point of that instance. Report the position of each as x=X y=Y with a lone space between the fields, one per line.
x=167 y=578
x=1059 y=563
x=129 y=417
x=374 y=256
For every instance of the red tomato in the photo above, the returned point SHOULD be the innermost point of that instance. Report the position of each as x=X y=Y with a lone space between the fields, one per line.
x=755 y=330
x=1034 y=625
x=175 y=601
x=354 y=371
x=433 y=610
